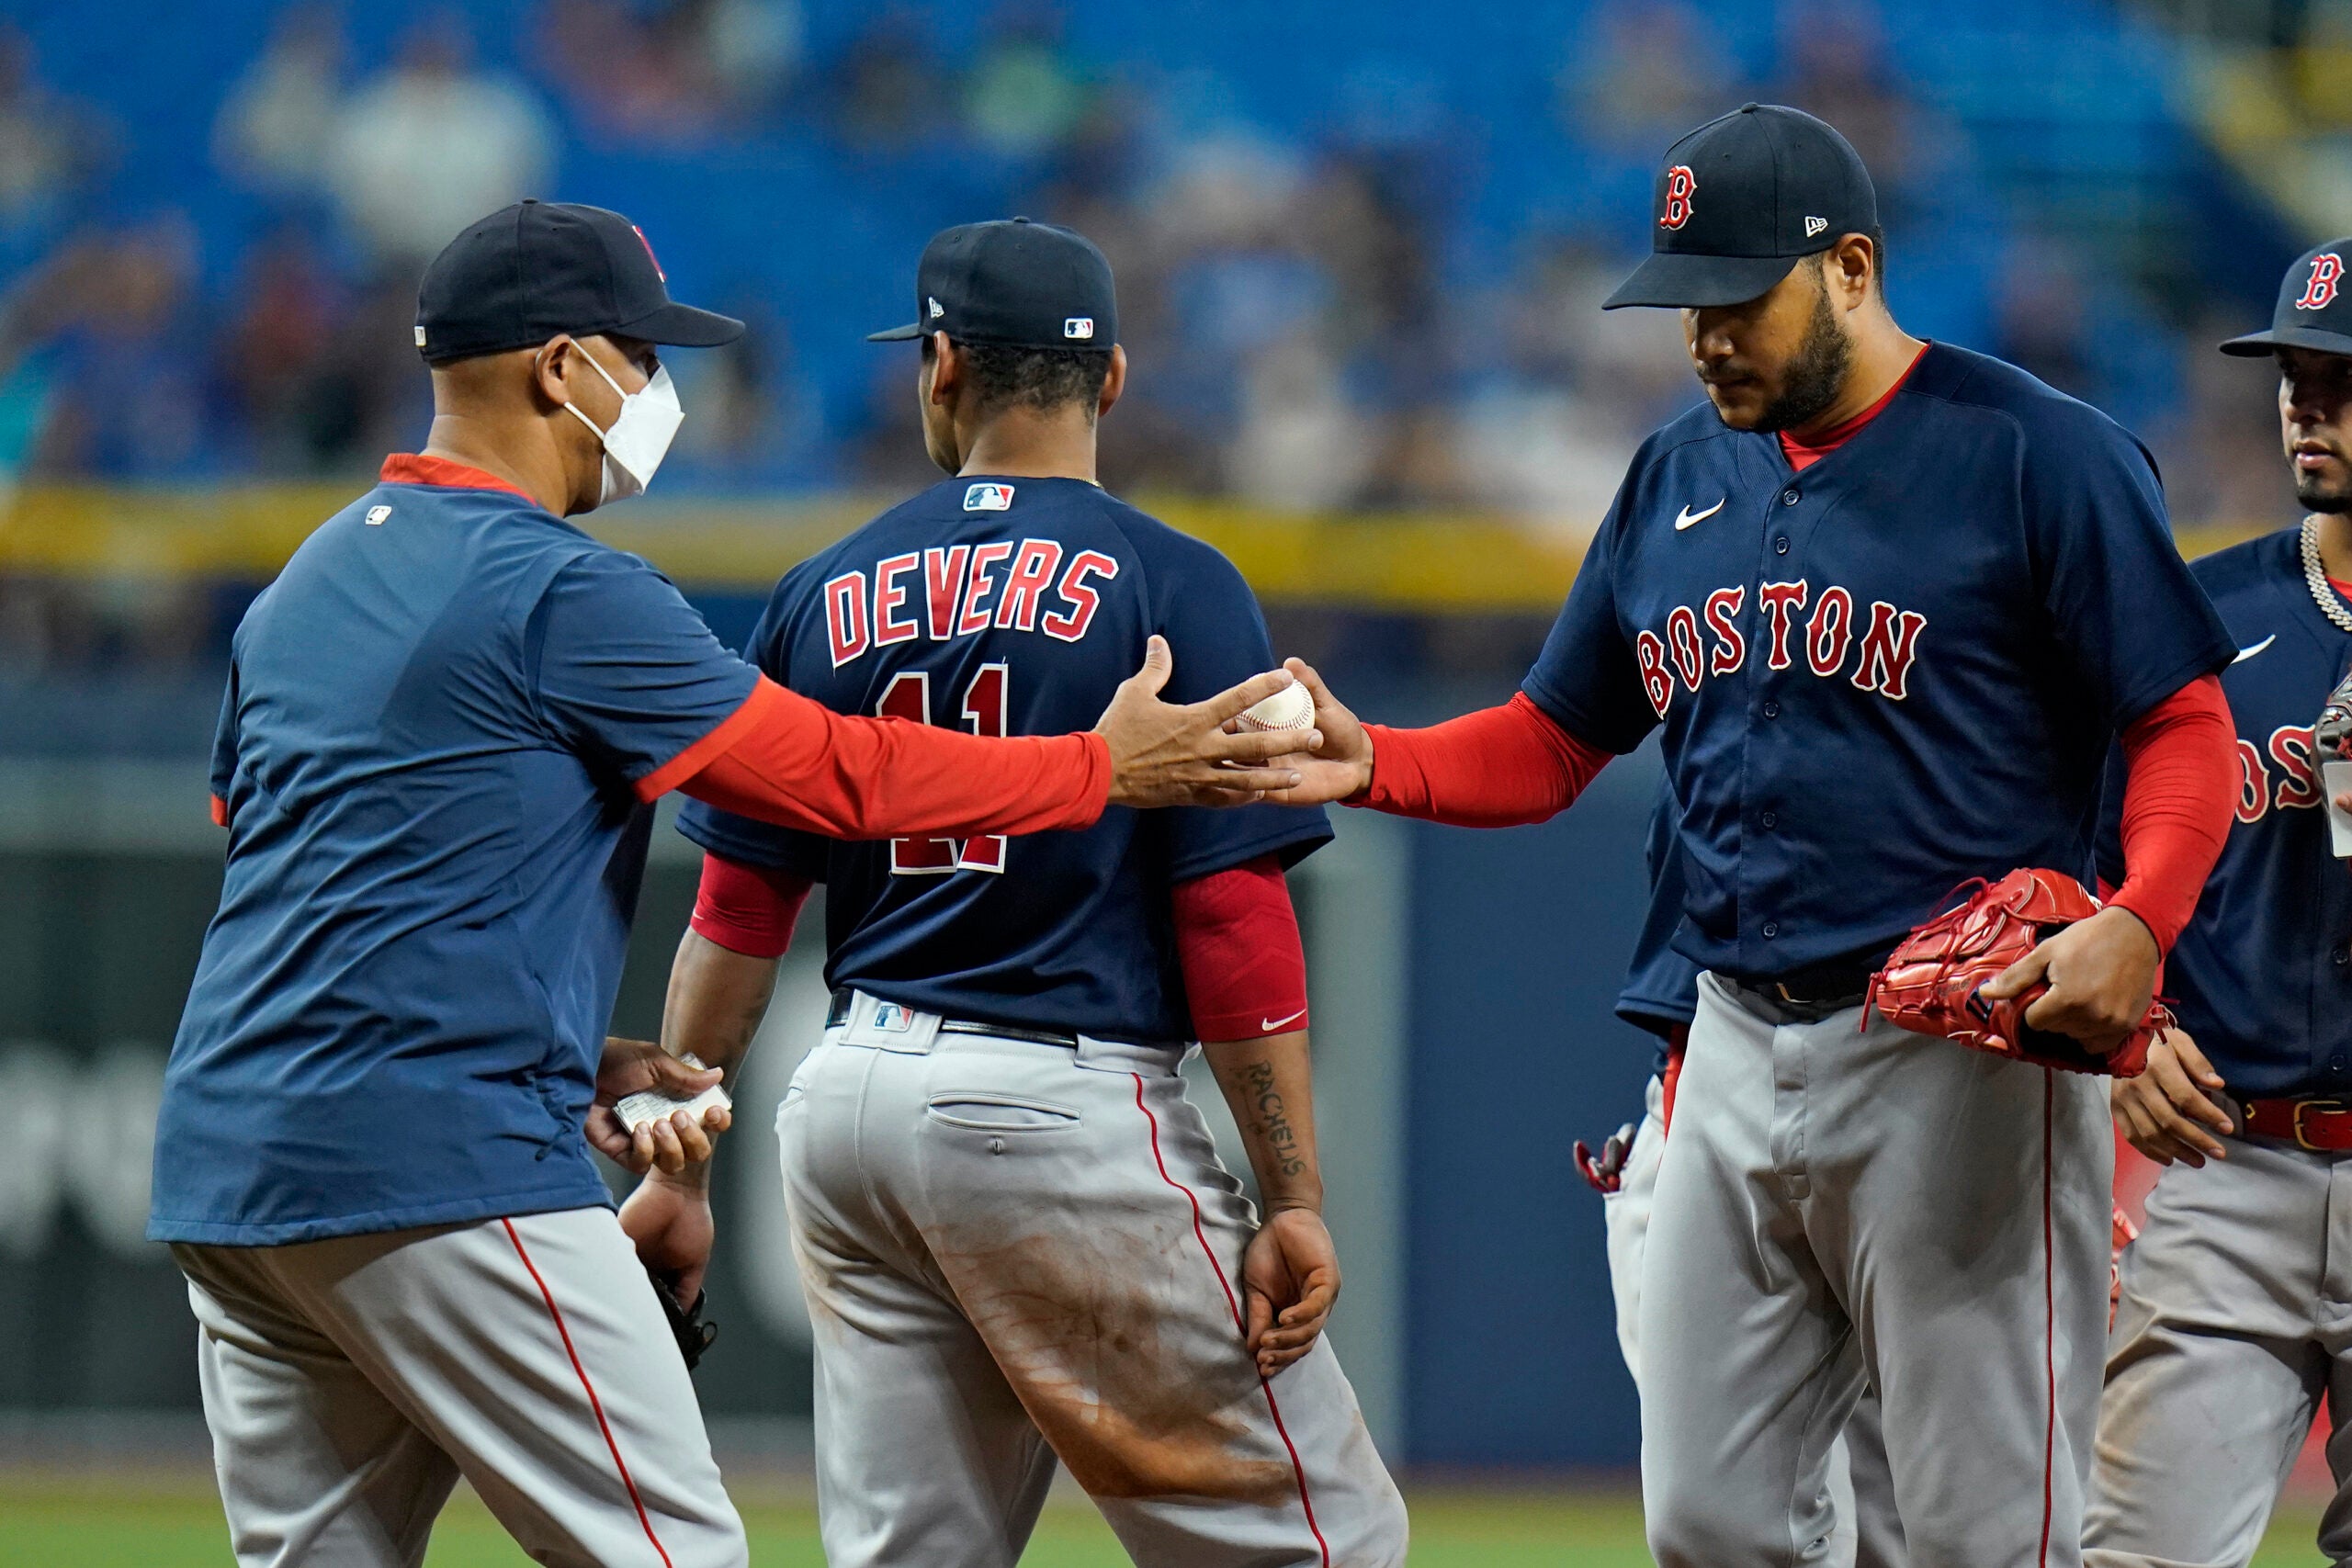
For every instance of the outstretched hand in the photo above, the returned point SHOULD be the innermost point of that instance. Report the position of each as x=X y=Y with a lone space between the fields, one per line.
x=1290 y=1275
x=632 y=1067
x=1337 y=763
x=2102 y=975
x=1180 y=754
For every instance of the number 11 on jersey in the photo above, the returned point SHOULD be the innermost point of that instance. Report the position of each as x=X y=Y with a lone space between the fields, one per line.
x=908 y=696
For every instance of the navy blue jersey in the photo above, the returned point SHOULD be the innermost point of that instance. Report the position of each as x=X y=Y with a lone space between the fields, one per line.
x=1661 y=990
x=436 y=719
x=2262 y=975
x=1013 y=607
x=1897 y=669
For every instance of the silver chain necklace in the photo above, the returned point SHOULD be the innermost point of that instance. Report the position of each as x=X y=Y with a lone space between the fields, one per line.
x=2323 y=594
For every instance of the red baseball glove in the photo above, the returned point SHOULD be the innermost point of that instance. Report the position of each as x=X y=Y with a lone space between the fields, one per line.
x=1934 y=982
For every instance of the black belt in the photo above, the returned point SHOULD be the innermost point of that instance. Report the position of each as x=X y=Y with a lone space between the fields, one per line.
x=837 y=1014
x=1841 y=983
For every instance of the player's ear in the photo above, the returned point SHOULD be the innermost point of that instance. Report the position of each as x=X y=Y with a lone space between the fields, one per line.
x=1848 y=267
x=946 y=366
x=1114 y=382
x=550 y=367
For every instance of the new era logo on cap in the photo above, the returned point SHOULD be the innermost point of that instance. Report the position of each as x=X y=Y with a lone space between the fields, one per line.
x=936 y=310
x=985 y=497
x=1814 y=225
x=1079 y=326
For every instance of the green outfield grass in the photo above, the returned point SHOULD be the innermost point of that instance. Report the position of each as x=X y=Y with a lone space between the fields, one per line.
x=171 y=1522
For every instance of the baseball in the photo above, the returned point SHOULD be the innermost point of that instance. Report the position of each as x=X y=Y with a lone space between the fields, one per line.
x=1290 y=708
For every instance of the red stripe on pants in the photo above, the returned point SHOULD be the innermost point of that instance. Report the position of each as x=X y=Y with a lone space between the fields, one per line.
x=594 y=1403
x=1201 y=1234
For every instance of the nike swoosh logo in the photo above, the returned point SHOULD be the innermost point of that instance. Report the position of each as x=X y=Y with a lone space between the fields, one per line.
x=2246 y=653
x=1270 y=1024
x=1684 y=518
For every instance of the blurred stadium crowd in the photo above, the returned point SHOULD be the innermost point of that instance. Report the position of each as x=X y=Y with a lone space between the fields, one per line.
x=1360 y=249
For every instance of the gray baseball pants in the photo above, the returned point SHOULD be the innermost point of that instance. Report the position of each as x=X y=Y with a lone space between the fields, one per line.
x=349 y=1382
x=1865 y=1531
x=1013 y=1252
x=1843 y=1204
x=2236 y=1315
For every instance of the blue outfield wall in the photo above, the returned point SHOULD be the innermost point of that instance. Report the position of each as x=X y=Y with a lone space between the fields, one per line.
x=1521 y=942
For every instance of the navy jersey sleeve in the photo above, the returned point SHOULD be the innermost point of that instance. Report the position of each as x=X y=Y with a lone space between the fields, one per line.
x=624 y=672
x=2121 y=600
x=1219 y=637
x=1586 y=678
x=745 y=839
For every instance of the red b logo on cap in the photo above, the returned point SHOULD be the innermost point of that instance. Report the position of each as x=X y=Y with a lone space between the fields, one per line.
x=2327 y=271
x=1679 y=183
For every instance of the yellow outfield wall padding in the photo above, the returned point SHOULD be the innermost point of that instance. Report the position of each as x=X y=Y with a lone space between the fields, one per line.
x=1441 y=563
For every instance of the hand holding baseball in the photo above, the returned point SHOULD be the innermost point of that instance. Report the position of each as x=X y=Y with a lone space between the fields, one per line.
x=1338 y=763
x=1194 y=754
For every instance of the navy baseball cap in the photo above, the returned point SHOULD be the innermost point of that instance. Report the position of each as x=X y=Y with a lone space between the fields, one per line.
x=540 y=270
x=1015 y=282
x=2314 y=308
x=1740 y=201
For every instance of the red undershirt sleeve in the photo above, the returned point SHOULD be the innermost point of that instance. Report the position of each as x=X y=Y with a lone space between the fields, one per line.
x=783 y=759
x=749 y=909
x=1496 y=768
x=1236 y=941
x=2179 y=790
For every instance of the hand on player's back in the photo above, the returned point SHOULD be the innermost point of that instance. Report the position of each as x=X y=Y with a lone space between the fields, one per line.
x=2102 y=975
x=1337 y=763
x=631 y=1067
x=1291 y=1277
x=2159 y=1112
x=1169 y=754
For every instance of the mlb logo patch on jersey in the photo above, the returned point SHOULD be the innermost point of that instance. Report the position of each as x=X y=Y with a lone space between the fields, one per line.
x=988 y=498
x=1078 y=327
x=376 y=516
x=893 y=1018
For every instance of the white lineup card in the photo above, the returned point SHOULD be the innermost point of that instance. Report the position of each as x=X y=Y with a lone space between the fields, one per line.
x=648 y=1105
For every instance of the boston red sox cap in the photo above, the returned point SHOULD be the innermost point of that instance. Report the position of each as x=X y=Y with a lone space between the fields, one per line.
x=1015 y=282
x=2314 y=308
x=1740 y=200
x=540 y=270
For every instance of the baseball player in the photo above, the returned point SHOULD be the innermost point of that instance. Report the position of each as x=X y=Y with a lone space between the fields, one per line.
x=445 y=725
x=1890 y=602
x=2231 y=1323
x=1660 y=997
x=1016 y=1237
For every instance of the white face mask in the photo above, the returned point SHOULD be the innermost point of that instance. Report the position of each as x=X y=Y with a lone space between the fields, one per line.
x=640 y=434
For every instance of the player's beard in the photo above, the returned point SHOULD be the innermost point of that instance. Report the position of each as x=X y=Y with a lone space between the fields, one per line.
x=1816 y=377
x=2314 y=493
